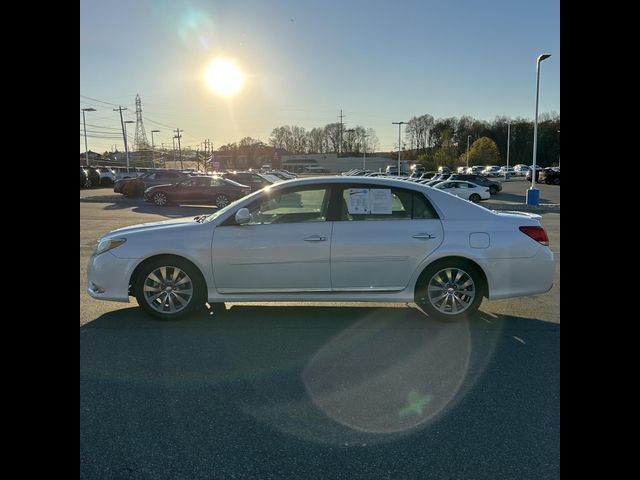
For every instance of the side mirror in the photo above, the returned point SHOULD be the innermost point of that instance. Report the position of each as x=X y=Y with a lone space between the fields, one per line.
x=243 y=216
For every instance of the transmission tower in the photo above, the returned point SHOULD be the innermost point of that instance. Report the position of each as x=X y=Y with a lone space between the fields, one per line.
x=140 y=141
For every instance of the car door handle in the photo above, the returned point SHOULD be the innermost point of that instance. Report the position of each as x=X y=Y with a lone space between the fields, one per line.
x=315 y=238
x=423 y=235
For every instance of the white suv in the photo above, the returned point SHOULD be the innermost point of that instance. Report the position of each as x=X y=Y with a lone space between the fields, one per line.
x=107 y=177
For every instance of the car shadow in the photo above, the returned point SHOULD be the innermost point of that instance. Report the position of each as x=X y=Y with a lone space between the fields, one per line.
x=318 y=392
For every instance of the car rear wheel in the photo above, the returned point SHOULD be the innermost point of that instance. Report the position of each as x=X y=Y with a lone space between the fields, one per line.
x=475 y=198
x=169 y=288
x=450 y=290
x=556 y=181
x=160 y=199
x=222 y=200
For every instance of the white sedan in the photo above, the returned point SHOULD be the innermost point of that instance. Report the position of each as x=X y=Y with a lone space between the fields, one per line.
x=328 y=239
x=464 y=189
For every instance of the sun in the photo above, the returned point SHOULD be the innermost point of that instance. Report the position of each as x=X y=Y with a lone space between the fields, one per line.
x=224 y=77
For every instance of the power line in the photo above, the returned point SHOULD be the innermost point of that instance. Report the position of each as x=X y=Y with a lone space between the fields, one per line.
x=96 y=100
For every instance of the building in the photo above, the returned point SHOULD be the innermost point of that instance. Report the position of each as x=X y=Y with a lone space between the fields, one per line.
x=331 y=163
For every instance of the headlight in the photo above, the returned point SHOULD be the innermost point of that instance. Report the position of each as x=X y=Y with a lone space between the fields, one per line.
x=109 y=244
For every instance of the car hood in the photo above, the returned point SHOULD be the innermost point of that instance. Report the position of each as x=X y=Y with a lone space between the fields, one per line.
x=152 y=226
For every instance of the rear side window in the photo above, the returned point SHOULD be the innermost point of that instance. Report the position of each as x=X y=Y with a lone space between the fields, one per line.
x=384 y=204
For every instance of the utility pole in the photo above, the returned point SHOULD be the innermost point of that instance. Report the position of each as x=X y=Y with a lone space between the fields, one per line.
x=124 y=134
x=174 y=153
x=178 y=136
x=340 y=144
x=86 y=150
x=153 y=147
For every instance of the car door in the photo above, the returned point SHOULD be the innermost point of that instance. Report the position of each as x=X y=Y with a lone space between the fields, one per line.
x=285 y=247
x=381 y=251
x=462 y=190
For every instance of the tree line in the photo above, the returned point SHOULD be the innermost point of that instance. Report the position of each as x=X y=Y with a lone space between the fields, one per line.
x=429 y=141
x=439 y=142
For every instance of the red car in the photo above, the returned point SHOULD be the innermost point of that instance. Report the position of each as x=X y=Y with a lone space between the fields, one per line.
x=203 y=189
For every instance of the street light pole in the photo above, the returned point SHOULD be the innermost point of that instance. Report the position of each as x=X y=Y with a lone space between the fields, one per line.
x=508 y=145
x=153 y=148
x=86 y=150
x=468 y=137
x=126 y=147
x=558 y=153
x=399 y=142
x=533 y=194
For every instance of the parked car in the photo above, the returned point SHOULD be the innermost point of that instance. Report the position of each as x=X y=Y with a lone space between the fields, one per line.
x=93 y=175
x=520 y=169
x=197 y=189
x=107 y=177
x=253 y=179
x=510 y=171
x=491 y=171
x=124 y=173
x=493 y=185
x=149 y=179
x=539 y=174
x=328 y=239
x=551 y=176
x=466 y=190
x=84 y=179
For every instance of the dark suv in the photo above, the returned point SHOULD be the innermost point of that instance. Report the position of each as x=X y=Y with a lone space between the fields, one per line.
x=494 y=187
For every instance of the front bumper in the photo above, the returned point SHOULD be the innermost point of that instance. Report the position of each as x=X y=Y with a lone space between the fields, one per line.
x=108 y=277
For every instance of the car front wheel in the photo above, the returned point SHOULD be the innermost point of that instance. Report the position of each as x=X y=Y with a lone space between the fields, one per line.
x=160 y=199
x=450 y=290
x=169 y=288
x=222 y=200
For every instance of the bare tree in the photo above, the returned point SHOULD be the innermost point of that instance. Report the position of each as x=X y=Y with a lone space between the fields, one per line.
x=317 y=141
x=332 y=132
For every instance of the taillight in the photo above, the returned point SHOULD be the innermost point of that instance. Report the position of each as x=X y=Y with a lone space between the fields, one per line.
x=537 y=233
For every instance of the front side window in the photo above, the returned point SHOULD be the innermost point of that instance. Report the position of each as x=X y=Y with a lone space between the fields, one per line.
x=309 y=205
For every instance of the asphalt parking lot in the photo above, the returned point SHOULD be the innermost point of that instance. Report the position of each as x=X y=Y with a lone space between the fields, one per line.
x=317 y=391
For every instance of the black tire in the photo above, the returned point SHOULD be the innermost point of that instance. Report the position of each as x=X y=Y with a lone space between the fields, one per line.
x=464 y=285
x=106 y=182
x=177 y=292
x=160 y=199
x=556 y=181
x=475 y=198
x=493 y=189
x=87 y=183
x=221 y=200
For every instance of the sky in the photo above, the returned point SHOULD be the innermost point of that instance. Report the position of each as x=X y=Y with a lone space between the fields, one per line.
x=303 y=61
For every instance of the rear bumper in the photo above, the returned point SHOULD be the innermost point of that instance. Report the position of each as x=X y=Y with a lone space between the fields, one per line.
x=518 y=277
